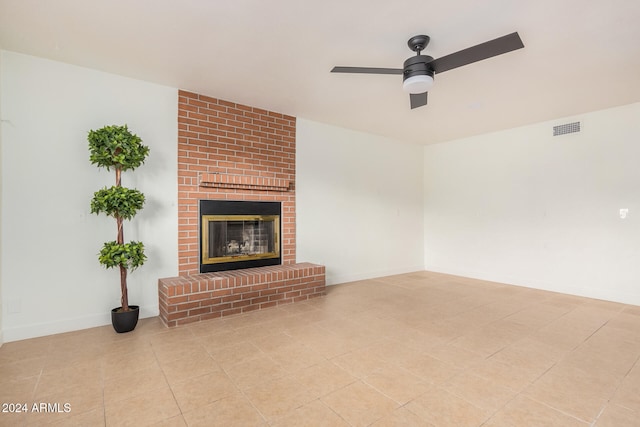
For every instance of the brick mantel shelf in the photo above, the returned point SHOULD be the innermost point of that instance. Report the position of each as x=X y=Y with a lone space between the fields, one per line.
x=243 y=182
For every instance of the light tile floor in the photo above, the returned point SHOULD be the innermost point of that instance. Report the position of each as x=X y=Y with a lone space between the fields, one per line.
x=421 y=349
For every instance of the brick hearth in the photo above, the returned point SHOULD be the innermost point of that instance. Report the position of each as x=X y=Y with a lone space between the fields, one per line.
x=187 y=299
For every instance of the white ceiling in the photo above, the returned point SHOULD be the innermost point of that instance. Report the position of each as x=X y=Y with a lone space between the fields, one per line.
x=579 y=55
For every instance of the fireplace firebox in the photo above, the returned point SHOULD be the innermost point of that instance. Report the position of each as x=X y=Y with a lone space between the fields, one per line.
x=239 y=234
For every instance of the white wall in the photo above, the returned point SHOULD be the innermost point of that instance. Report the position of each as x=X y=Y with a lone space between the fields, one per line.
x=358 y=203
x=51 y=279
x=1 y=185
x=523 y=207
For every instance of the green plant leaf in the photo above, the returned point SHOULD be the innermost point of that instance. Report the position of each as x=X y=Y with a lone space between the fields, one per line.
x=117 y=202
x=115 y=146
x=129 y=255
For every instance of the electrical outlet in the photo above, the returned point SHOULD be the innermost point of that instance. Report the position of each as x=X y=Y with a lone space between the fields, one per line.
x=624 y=213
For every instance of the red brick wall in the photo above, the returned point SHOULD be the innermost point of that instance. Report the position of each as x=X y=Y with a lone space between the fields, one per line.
x=218 y=143
x=187 y=299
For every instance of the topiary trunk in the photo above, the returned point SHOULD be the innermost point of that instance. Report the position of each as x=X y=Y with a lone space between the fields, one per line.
x=124 y=299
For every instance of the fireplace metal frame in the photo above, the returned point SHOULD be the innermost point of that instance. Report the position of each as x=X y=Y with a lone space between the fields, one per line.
x=206 y=219
x=243 y=211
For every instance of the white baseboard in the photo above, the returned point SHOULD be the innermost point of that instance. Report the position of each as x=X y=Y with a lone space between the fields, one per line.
x=346 y=278
x=68 y=325
x=604 y=293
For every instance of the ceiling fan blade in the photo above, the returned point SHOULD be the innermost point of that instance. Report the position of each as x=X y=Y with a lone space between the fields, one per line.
x=478 y=52
x=367 y=70
x=418 y=99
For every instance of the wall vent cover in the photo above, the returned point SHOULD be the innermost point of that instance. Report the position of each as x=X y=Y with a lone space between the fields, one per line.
x=566 y=128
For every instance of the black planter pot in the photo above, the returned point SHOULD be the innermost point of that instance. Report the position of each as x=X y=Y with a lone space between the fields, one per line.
x=125 y=321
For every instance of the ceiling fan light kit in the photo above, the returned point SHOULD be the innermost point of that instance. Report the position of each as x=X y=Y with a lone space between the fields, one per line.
x=418 y=83
x=417 y=77
x=418 y=71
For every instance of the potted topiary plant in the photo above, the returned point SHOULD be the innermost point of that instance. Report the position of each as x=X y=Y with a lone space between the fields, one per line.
x=116 y=147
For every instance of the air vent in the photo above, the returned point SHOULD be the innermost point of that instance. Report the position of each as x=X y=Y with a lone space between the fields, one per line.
x=566 y=128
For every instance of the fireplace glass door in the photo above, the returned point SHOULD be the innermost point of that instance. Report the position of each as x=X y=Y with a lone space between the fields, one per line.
x=230 y=238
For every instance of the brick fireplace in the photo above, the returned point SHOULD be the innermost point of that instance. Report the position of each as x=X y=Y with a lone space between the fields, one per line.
x=228 y=151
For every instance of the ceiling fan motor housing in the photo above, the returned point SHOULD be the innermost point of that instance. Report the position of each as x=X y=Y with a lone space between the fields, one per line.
x=417 y=66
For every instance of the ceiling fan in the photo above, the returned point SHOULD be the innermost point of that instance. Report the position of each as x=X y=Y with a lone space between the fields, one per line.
x=418 y=71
